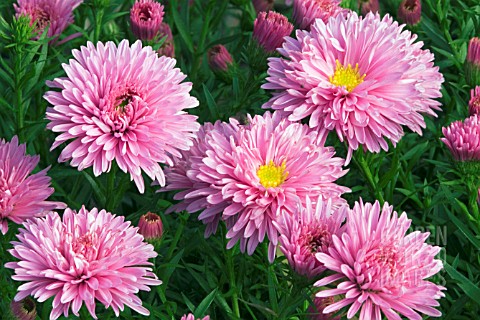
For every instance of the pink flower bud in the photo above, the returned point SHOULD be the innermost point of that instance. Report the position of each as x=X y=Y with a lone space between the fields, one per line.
x=24 y=309
x=168 y=47
x=472 y=65
x=263 y=5
x=146 y=18
x=219 y=59
x=368 y=5
x=474 y=103
x=306 y=11
x=150 y=226
x=410 y=11
x=270 y=28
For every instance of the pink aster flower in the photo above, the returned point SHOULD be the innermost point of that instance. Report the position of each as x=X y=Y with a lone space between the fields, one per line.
x=474 y=103
x=361 y=77
x=268 y=168
x=190 y=316
x=306 y=11
x=368 y=5
x=195 y=192
x=410 y=12
x=57 y=15
x=463 y=139
x=168 y=46
x=146 y=18
x=379 y=269
x=310 y=231
x=82 y=257
x=150 y=226
x=22 y=195
x=124 y=104
x=270 y=29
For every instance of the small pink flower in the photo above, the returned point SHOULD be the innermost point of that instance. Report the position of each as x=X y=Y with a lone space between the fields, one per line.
x=190 y=316
x=474 y=103
x=263 y=5
x=125 y=104
x=379 y=269
x=306 y=11
x=24 y=309
x=54 y=14
x=368 y=5
x=168 y=46
x=22 y=195
x=309 y=231
x=269 y=30
x=82 y=258
x=219 y=59
x=146 y=16
x=150 y=226
x=410 y=12
x=463 y=139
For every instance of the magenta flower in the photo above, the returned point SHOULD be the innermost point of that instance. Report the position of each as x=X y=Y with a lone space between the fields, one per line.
x=379 y=269
x=150 y=226
x=146 y=17
x=22 y=195
x=306 y=11
x=168 y=46
x=190 y=316
x=410 y=12
x=54 y=14
x=124 y=104
x=270 y=166
x=368 y=5
x=474 y=103
x=195 y=192
x=270 y=29
x=219 y=59
x=463 y=139
x=364 y=83
x=310 y=231
x=80 y=258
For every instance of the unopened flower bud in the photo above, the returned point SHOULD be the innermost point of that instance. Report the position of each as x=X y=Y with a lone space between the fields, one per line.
x=146 y=17
x=24 y=309
x=410 y=12
x=269 y=30
x=150 y=226
x=472 y=64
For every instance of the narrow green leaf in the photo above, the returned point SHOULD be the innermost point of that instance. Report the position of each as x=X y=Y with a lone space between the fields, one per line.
x=205 y=304
x=470 y=289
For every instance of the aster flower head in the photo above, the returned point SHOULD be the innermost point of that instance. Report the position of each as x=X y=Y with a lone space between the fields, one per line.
x=474 y=103
x=379 y=268
x=194 y=191
x=125 y=104
x=310 y=231
x=24 y=309
x=368 y=5
x=190 y=316
x=146 y=17
x=410 y=11
x=54 y=14
x=463 y=139
x=219 y=59
x=22 y=195
x=263 y=5
x=363 y=78
x=266 y=169
x=306 y=11
x=269 y=30
x=150 y=226
x=472 y=64
x=82 y=258
x=168 y=46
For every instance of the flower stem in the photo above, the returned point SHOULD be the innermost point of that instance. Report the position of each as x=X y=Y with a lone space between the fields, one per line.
x=233 y=285
x=176 y=238
x=362 y=164
x=110 y=203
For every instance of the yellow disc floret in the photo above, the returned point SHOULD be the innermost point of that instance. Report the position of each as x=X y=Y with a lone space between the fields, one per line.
x=347 y=77
x=271 y=175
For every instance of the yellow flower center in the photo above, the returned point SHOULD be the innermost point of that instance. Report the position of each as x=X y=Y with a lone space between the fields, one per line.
x=271 y=175
x=347 y=77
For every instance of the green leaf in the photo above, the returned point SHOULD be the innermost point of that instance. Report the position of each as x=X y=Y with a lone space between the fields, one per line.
x=462 y=227
x=211 y=104
x=205 y=304
x=470 y=289
x=182 y=29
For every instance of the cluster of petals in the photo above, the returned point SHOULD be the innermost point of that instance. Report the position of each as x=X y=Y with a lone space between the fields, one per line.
x=463 y=139
x=56 y=15
x=125 y=104
x=22 y=194
x=82 y=258
x=306 y=11
x=379 y=269
x=293 y=162
x=146 y=18
x=363 y=78
x=309 y=231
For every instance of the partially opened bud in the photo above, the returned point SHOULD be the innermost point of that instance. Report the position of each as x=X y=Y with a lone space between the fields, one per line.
x=262 y=5
x=150 y=226
x=472 y=65
x=219 y=59
x=410 y=12
x=146 y=17
x=368 y=5
x=474 y=103
x=24 y=309
x=306 y=11
x=463 y=139
x=269 y=29
x=168 y=47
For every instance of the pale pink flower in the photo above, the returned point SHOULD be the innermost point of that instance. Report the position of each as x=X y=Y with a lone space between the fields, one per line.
x=190 y=316
x=306 y=11
x=22 y=195
x=124 y=104
x=195 y=192
x=146 y=17
x=57 y=15
x=309 y=231
x=150 y=226
x=82 y=257
x=410 y=12
x=474 y=103
x=269 y=167
x=463 y=139
x=361 y=77
x=368 y=5
x=270 y=29
x=379 y=269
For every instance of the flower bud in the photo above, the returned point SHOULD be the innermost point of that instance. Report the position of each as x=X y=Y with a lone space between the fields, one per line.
x=219 y=59
x=269 y=30
x=472 y=64
x=474 y=103
x=150 y=226
x=306 y=11
x=168 y=47
x=24 y=309
x=410 y=12
x=146 y=17
x=262 y=5
x=368 y=5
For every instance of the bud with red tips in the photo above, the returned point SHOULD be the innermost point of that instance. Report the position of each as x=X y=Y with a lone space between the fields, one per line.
x=219 y=59
x=269 y=29
x=368 y=5
x=150 y=226
x=410 y=12
x=472 y=64
x=146 y=16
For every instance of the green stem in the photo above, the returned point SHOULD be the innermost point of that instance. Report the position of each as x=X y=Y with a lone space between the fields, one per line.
x=175 y=240
x=110 y=197
x=365 y=168
x=233 y=284
x=98 y=23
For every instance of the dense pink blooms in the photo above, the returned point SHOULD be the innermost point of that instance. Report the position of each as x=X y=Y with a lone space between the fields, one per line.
x=22 y=194
x=306 y=11
x=368 y=5
x=57 y=15
x=219 y=59
x=310 y=231
x=124 y=104
x=410 y=12
x=150 y=226
x=24 y=309
x=195 y=192
x=82 y=257
x=270 y=29
x=146 y=17
x=168 y=46
x=361 y=77
x=263 y=5
x=379 y=269
x=268 y=168
x=474 y=103
x=463 y=139
x=190 y=316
